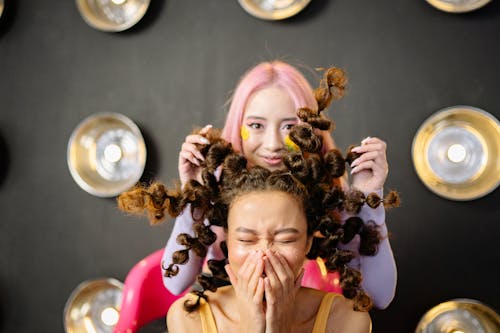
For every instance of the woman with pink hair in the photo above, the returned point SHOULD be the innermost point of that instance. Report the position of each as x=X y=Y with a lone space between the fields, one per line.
x=262 y=111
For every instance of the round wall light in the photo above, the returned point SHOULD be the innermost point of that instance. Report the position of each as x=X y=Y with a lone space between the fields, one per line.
x=112 y=15
x=456 y=153
x=459 y=316
x=273 y=9
x=93 y=307
x=106 y=154
x=458 y=6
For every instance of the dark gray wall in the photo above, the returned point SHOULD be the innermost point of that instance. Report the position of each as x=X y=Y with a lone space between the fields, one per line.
x=174 y=70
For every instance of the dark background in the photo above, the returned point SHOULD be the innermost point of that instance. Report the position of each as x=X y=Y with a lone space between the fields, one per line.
x=176 y=69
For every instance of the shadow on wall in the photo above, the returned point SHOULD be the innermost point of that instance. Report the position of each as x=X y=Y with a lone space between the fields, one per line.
x=152 y=159
x=3 y=305
x=312 y=10
x=4 y=162
x=7 y=16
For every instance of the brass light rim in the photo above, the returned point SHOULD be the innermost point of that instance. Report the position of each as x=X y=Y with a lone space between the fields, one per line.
x=73 y=145
x=97 y=22
x=489 y=128
x=490 y=319
x=446 y=6
x=280 y=14
x=78 y=295
x=1 y=8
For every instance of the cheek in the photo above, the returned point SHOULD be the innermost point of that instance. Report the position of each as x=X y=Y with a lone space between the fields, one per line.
x=294 y=257
x=236 y=256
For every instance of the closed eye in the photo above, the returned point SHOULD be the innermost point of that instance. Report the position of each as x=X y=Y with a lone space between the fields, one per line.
x=245 y=240
x=286 y=241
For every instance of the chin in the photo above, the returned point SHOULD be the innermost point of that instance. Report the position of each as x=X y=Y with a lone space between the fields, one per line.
x=276 y=167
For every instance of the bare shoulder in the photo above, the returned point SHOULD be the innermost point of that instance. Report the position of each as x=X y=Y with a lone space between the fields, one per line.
x=343 y=318
x=179 y=320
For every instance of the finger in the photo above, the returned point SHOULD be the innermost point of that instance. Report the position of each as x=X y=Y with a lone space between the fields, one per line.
x=280 y=266
x=259 y=292
x=280 y=280
x=373 y=155
x=251 y=271
x=370 y=147
x=365 y=140
x=371 y=140
x=186 y=156
x=270 y=294
x=269 y=270
x=256 y=275
x=205 y=129
x=287 y=276
x=245 y=269
x=368 y=165
x=193 y=149
x=196 y=139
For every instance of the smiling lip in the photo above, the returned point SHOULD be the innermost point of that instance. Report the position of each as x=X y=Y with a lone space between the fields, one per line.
x=273 y=161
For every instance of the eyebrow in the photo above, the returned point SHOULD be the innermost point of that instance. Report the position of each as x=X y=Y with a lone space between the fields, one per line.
x=254 y=232
x=263 y=118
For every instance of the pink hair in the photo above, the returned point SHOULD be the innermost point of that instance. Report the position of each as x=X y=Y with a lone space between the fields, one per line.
x=263 y=75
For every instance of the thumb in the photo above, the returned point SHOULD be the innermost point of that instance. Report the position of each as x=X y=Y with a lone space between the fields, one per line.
x=298 y=280
x=232 y=276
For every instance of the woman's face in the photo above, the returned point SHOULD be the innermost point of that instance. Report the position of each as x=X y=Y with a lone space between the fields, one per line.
x=269 y=220
x=269 y=115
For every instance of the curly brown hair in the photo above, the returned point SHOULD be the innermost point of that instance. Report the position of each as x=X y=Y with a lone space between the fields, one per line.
x=312 y=178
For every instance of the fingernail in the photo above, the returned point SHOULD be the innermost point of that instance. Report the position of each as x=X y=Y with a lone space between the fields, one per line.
x=204 y=140
x=363 y=141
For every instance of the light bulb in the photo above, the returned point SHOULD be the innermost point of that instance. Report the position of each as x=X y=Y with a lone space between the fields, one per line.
x=112 y=153
x=456 y=153
x=109 y=316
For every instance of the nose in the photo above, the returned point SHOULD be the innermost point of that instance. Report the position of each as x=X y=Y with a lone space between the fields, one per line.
x=265 y=245
x=273 y=141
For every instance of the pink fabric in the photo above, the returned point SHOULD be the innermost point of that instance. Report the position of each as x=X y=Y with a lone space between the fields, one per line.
x=314 y=278
x=144 y=297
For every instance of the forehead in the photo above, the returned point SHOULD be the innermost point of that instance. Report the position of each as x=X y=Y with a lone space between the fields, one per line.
x=271 y=101
x=266 y=210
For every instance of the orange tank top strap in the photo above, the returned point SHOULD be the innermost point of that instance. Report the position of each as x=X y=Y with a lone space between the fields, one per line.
x=323 y=313
x=207 y=317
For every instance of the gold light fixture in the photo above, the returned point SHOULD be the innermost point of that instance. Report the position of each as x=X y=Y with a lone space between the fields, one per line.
x=459 y=316
x=456 y=153
x=112 y=15
x=93 y=307
x=273 y=9
x=458 y=6
x=106 y=154
x=1 y=7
